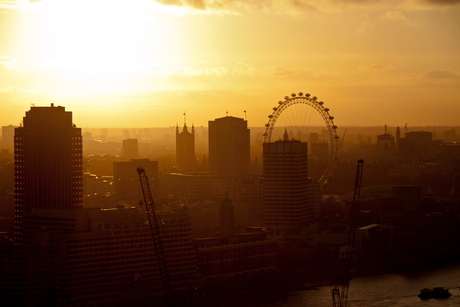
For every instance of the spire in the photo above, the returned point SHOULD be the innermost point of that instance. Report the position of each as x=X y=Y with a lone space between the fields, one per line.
x=185 y=124
x=285 y=136
x=193 y=128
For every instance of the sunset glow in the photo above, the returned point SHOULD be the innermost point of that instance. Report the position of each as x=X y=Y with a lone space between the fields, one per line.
x=154 y=59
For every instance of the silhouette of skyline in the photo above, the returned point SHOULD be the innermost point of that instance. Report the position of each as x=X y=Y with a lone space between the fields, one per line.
x=109 y=201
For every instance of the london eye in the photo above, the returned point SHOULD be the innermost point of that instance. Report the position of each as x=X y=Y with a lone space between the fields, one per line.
x=306 y=119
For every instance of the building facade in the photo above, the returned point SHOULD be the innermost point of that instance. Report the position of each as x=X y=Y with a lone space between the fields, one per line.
x=98 y=257
x=229 y=147
x=286 y=195
x=130 y=149
x=185 y=148
x=48 y=163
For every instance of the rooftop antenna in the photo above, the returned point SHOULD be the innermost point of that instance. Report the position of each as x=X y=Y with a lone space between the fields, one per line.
x=185 y=119
x=227 y=113
x=244 y=114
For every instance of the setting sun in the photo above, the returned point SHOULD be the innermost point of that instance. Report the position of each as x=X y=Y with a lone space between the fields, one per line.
x=144 y=56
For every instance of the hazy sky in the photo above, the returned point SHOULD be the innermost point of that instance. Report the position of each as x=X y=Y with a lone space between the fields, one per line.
x=142 y=63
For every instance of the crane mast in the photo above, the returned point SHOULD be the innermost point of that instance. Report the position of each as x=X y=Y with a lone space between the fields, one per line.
x=154 y=223
x=340 y=297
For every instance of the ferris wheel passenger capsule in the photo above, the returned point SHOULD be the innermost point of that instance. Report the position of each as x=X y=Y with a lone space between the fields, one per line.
x=267 y=125
x=286 y=97
x=307 y=95
x=293 y=95
x=331 y=117
x=326 y=109
x=334 y=127
x=336 y=137
x=280 y=102
x=275 y=108
x=270 y=116
x=265 y=134
x=300 y=94
x=321 y=103
x=314 y=97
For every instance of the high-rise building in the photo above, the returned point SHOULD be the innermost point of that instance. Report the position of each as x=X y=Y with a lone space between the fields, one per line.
x=8 y=138
x=286 y=194
x=130 y=149
x=229 y=146
x=185 y=148
x=48 y=163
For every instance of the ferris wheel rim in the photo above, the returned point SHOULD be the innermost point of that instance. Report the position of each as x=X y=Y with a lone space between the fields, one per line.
x=328 y=120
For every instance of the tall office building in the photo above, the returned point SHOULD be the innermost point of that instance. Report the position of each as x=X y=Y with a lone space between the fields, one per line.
x=48 y=163
x=185 y=148
x=130 y=149
x=229 y=146
x=286 y=194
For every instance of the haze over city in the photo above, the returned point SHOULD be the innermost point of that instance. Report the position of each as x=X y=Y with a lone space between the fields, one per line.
x=143 y=63
x=265 y=153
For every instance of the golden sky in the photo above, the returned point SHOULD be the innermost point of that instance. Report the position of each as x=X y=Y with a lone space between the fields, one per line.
x=142 y=63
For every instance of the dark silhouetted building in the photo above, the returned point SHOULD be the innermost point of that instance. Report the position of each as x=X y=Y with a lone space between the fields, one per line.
x=130 y=149
x=48 y=163
x=286 y=196
x=185 y=148
x=237 y=262
x=229 y=147
x=97 y=257
x=416 y=143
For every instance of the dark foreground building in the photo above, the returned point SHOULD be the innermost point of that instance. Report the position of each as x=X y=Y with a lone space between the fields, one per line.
x=96 y=257
x=48 y=171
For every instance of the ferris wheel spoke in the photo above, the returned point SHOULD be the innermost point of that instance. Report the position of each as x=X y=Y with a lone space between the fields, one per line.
x=306 y=119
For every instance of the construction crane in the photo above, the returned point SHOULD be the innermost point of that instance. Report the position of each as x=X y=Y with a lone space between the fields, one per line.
x=405 y=130
x=340 y=295
x=343 y=138
x=155 y=229
x=361 y=143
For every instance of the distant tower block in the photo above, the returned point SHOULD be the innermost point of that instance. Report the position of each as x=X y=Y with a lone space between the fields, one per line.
x=130 y=149
x=185 y=148
x=226 y=217
x=286 y=195
x=229 y=146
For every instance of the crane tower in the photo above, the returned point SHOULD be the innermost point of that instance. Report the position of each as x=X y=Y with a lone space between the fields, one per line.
x=340 y=296
x=155 y=229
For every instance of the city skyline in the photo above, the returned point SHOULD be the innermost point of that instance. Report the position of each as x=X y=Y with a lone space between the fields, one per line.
x=133 y=63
